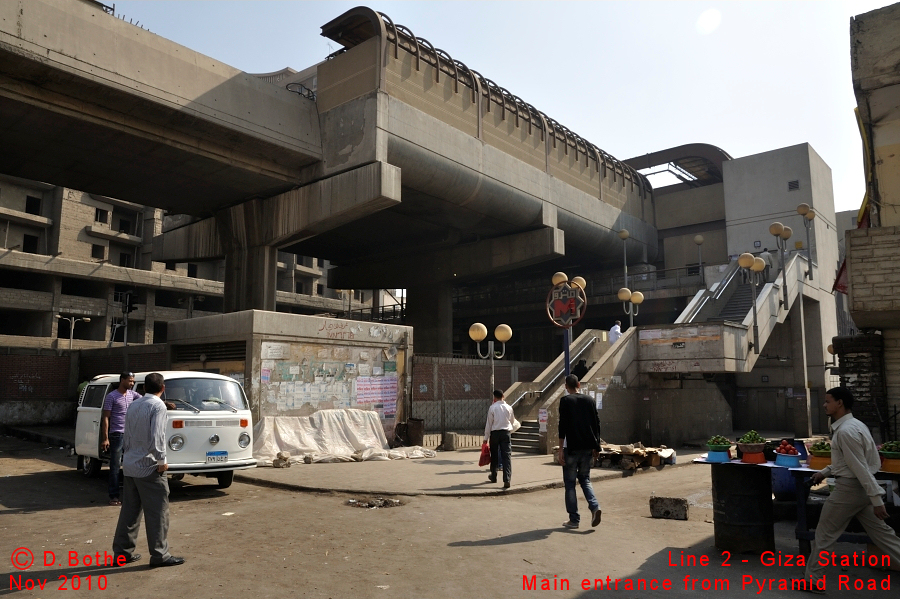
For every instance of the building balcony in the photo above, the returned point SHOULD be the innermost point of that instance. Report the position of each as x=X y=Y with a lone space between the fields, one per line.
x=24 y=218
x=110 y=235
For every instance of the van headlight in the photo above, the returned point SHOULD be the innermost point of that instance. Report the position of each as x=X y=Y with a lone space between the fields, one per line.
x=244 y=439
x=176 y=442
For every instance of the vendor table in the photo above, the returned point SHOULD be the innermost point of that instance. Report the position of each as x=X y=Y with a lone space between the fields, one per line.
x=743 y=519
x=803 y=533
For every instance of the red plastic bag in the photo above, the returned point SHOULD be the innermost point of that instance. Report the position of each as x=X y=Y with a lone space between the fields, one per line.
x=485 y=458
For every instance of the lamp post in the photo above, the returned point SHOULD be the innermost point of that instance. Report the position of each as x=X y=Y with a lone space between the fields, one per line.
x=633 y=299
x=503 y=333
x=72 y=320
x=782 y=234
x=566 y=306
x=755 y=267
x=698 y=239
x=624 y=235
x=808 y=215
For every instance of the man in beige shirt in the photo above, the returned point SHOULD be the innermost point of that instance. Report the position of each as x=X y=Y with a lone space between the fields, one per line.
x=854 y=461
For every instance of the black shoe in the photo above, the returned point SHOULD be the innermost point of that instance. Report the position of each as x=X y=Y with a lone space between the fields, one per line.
x=492 y=479
x=596 y=519
x=172 y=561
x=134 y=557
x=505 y=485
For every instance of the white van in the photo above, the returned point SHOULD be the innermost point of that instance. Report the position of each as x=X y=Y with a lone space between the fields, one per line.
x=209 y=433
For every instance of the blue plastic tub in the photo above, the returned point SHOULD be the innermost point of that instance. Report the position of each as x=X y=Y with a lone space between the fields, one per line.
x=718 y=457
x=782 y=481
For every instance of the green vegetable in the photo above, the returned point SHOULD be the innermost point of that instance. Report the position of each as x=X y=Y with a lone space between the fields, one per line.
x=718 y=440
x=751 y=437
x=821 y=446
x=891 y=446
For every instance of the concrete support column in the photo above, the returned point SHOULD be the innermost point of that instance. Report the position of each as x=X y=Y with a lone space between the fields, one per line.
x=149 y=310
x=429 y=310
x=815 y=356
x=113 y=312
x=50 y=324
x=376 y=303
x=801 y=403
x=250 y=276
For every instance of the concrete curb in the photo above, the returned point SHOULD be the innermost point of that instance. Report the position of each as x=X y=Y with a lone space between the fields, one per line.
x=596 y=476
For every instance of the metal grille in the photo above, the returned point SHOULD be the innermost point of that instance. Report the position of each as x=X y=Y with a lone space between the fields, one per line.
x=215 y=352
x=454 y=394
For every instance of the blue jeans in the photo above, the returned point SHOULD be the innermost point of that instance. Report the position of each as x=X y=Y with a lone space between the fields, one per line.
x=116 y=444
x=578 y=467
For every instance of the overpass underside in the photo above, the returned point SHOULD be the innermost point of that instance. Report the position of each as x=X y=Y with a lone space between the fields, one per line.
x=488 y=184
x=408 y=170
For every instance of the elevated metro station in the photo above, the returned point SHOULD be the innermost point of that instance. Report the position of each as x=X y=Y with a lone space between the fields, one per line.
x=407 y=169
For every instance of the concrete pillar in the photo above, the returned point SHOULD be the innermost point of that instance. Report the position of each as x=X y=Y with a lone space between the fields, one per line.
x=250 y=276
x=149 y=310
x=50 y=323
x=801 y=403
x=376 y=303
x=112 y=311
x=429 y=310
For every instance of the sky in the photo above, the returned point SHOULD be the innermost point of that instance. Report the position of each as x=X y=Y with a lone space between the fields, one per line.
x=630 y=77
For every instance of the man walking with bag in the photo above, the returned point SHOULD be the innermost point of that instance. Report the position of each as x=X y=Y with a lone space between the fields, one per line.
x=579 y=444
x=500 y=425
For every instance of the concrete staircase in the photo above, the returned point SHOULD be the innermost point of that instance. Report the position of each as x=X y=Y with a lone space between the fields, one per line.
x=737 y=307
x=527 y=438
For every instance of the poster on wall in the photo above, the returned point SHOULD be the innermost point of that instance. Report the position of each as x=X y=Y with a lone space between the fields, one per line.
x=542 y=420
x=298 y=378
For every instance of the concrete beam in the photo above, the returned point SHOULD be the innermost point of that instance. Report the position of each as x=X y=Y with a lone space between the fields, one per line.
x=286 y=218
x=482 y=258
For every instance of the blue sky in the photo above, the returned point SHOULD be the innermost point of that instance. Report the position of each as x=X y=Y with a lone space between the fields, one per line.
x=631 y=77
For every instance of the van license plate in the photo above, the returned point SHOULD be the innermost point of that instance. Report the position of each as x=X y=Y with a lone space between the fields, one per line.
x=215 y=457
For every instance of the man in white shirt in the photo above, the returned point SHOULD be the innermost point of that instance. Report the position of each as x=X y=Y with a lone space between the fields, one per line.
x=497 y=431
x=615 y=332
x=854 y=461
x=146 y=487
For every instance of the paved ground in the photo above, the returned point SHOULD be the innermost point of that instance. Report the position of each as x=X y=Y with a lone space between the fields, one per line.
x=270 y=542
x=450 y=473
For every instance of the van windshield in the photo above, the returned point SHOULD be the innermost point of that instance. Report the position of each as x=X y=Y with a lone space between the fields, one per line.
x=205 y=394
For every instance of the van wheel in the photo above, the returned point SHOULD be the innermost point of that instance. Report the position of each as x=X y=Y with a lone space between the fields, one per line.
x=225 y=479
x=90 y=467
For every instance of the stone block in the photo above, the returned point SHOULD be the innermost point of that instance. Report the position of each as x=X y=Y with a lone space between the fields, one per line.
x=451 y=441
x=671 y=508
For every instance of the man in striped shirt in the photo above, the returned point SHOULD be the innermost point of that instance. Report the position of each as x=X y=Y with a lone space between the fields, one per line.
x=146 y=488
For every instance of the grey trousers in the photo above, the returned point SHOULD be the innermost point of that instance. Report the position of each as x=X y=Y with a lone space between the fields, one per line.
x=849 y=500
x=149 y=495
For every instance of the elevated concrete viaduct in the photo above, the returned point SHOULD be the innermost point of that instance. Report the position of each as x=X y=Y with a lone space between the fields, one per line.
x=408 y=170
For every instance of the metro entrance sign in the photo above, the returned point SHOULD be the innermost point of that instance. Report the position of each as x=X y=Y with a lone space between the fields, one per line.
x=566 y=306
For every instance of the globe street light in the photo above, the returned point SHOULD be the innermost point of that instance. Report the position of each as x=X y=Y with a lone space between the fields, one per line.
x=782 y=234
x=72 y=320
x=698 y=239
x=755 y=267
x=566 y=306
x=503 y=333
x=624 y=235
x=633 y=299
x=808 y=215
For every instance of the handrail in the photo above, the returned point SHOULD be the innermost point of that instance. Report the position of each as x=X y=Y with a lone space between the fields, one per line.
x=714 y=292
x=555 y=378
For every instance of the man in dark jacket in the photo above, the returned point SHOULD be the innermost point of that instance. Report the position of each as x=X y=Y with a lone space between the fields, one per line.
x=579 y=441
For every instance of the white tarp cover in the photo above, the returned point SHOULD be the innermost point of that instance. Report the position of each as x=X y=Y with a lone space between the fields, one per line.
x=327 y=436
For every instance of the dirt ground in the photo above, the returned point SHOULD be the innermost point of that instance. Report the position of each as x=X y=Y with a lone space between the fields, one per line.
x=262 y=542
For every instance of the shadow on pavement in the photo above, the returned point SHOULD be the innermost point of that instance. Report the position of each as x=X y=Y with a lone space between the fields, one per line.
x=527 y=536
